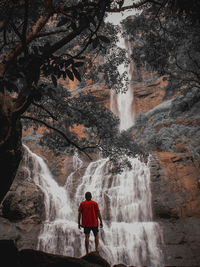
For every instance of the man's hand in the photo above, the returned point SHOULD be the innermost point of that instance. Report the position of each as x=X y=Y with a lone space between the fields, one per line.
x=101 y=225
x=79 y=220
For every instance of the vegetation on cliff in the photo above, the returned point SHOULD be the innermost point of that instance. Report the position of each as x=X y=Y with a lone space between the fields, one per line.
x=166 y=40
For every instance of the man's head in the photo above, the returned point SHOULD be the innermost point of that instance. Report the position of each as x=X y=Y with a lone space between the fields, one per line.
x=88 y=196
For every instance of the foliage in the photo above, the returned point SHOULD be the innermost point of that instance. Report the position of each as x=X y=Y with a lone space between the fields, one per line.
x=44 y=41
x=45 y=44
x=166 y=40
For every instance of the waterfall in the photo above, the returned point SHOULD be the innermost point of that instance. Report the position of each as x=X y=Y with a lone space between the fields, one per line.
x=129 y=235
x=121 y=103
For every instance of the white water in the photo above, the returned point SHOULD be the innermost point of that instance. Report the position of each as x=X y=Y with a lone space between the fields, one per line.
x=129 y=235
x=122 y=102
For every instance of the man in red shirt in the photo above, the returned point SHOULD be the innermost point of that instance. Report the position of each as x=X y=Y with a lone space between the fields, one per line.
x=89 y=211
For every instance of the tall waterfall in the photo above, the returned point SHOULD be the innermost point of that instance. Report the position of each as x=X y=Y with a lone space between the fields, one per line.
x=122 y=103
x=129 y=235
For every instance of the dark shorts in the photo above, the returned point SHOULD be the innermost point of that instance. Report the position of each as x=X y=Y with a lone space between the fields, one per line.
x=87 y=230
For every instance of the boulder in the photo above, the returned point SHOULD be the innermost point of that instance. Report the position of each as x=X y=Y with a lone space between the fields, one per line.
x=26 y=201
x=95 y=258
x=23 y=208
x=11 y=257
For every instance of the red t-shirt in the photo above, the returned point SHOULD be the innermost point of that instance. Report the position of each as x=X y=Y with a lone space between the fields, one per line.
x=89 y=210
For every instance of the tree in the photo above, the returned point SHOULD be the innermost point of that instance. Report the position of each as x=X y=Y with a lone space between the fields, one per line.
x=42 y=41
x=166 y=41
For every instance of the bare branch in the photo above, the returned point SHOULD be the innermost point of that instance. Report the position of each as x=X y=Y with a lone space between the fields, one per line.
x=43 y=34
x=134 y=5
x=16 y=30
x=26 y=9
x=60 y=132
x=46 y=110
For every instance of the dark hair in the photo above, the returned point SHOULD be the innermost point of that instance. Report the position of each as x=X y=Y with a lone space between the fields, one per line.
x=88 y=196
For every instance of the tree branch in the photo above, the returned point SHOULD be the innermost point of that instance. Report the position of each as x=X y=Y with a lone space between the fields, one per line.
x=58 y=131
x=56 y=46
x=40 y=23
x=43 y=34
x=134 y=5
x=21 y=104
x=46 y=110
x=90 y=38
x=70 y=37
x=26 y=9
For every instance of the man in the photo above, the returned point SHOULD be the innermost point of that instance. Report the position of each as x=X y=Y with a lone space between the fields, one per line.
x=90 y=213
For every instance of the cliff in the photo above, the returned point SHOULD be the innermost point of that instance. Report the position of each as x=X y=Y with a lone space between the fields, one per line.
x=169 y=131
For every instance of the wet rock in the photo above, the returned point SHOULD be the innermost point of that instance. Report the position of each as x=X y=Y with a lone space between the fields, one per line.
x=95 y=258
x=26 y=201
x=22 y=209
x=11 y=257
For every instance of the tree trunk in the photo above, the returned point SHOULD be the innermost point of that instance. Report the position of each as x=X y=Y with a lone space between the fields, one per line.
x=10 y=144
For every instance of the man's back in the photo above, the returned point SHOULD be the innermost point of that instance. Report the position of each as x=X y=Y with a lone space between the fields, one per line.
x=89 y=210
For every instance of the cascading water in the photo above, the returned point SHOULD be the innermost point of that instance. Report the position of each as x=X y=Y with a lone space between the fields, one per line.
x=129 y=235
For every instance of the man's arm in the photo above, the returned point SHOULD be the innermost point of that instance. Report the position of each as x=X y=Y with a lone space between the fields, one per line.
x=79 y=220
x=100 y=218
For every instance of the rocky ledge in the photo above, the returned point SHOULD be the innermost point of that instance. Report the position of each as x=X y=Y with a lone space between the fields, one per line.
x=12 y=257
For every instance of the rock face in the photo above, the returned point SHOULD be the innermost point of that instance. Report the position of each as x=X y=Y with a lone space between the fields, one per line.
x=175 y=199
x=22 y=210
x=170 y=132
x=146 y=89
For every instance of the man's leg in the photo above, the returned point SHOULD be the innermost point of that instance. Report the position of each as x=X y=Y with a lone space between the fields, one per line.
x=95 y=231
x=87 y=236
x=96 y=238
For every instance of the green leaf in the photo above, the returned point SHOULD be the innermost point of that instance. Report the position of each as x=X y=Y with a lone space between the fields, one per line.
x=95 y=42
x=76 y=74
x=104 y=39
x=78 y=64
x=54 y=80
x=69 y=74
x=69 y=62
